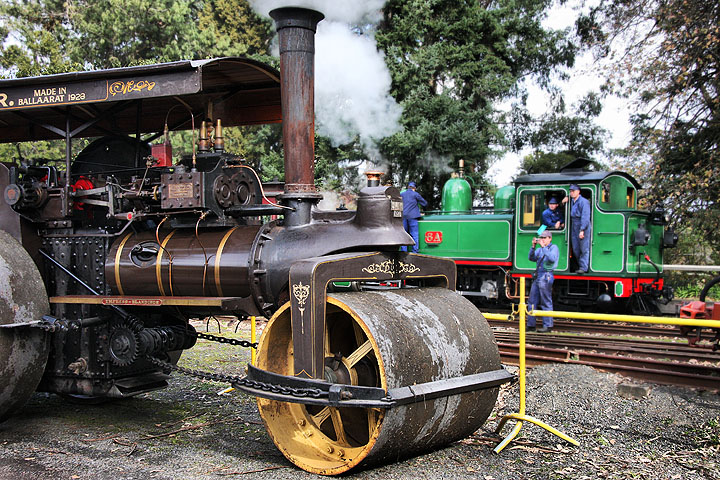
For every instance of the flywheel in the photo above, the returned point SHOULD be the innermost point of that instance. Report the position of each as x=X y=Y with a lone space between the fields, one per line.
x=23 y=350
x=388 y=339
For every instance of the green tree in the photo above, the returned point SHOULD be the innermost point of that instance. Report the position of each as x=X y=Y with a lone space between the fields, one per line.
x=34 y=34
x=664 y=57
x=49 y=36
x=236 y=28
x=118 y=33
x=559 y=138
x=451 y=62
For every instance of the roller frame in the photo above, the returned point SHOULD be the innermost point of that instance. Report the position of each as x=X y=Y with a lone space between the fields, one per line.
x=341 y=395
x=310 y=278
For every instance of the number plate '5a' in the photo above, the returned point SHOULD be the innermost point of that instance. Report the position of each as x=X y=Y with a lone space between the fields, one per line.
x=433 y=238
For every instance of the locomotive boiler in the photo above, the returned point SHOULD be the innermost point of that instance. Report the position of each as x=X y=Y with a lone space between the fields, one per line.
x=106 y=255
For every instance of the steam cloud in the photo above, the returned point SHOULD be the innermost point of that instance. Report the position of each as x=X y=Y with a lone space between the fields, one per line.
x=352 y=12
x=352 y=83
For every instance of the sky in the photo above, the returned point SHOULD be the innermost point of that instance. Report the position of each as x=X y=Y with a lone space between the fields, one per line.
x=615 y=114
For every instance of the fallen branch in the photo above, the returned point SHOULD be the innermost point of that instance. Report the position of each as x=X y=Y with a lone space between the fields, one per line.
x=195 y=427
x=160 y=425
x=101 y=438
x=251 y=471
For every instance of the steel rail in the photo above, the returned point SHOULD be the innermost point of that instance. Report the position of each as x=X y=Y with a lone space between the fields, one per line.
x=666 y=373
x=648 y=349
x=608 y=329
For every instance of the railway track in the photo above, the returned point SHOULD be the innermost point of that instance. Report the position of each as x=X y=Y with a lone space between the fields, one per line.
x=656 y=359
x=616 y=329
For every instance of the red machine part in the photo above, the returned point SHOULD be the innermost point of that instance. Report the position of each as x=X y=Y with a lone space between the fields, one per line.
x=162 y=153
x=694 y=309
x=83 y=183
x=700 y=310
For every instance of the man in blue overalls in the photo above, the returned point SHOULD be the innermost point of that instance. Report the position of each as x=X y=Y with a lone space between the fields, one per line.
x=580 y=228
x=411 y=213
x=552 y=216
x=541 y=290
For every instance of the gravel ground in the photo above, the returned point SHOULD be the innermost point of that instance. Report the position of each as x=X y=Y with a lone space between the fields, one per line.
x=187 y=431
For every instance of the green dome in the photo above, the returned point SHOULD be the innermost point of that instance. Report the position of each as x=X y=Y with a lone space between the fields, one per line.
x=456 y=196
x=504 y=199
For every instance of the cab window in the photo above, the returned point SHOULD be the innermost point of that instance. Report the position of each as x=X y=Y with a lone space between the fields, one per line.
x=616 y=193
x=630 y=196
x=532 y=208
x=534 y=204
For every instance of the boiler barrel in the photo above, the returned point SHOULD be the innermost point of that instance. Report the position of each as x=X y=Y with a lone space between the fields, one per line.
x=182 y=263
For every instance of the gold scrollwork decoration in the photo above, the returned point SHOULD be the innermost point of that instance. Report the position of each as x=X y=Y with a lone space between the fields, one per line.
x=391 y=267
x=130 y=86
x=301 y=293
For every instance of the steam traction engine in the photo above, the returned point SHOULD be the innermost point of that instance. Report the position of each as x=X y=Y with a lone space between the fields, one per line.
x=105 y=255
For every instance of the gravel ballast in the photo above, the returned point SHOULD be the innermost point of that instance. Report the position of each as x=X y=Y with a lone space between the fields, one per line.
x=626 y=430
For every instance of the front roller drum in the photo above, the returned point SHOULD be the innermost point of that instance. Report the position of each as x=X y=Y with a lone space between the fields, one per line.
x=388 y=339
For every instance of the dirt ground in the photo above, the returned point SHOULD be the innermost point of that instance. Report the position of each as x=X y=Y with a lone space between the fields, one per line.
x=188 y=431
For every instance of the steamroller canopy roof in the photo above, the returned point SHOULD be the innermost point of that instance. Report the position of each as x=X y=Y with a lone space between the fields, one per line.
x=240 y=91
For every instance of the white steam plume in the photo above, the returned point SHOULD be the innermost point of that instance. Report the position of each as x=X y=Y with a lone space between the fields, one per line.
x=353 y=12
x=352 y=87
x=352 y=83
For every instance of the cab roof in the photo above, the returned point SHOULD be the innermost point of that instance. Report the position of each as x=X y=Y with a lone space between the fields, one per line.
x=139 y=100
x=573 y=172
x=569 y=177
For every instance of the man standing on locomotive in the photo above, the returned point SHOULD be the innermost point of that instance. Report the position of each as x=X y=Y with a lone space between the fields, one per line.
x=552 y=216
x=541 y=290
x=411 y=213
x=581 y=228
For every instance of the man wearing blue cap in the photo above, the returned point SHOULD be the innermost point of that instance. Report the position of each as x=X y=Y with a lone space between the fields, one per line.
x=552 y=216
x=546 y=257
x=580 y=228
x=411 y=213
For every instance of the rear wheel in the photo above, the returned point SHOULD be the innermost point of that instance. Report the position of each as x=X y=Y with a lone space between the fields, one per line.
x=23 y=350
x=384 y=339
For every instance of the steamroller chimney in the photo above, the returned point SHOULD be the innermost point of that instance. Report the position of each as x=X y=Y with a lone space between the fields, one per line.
x=296 y=32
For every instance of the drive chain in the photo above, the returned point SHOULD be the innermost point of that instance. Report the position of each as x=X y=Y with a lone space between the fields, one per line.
x=230 y=341
x=236 y=380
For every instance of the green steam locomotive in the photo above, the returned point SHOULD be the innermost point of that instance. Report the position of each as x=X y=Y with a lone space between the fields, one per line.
x=490 y=245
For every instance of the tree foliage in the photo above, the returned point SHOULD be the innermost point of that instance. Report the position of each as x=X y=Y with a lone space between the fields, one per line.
x=236 y=29
x=451 y=62
x=48 y=36
x=558 y=138
x=667 y=53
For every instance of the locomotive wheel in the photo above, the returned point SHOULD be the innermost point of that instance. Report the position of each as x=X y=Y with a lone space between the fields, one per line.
x=23 y=351
x=385 y=339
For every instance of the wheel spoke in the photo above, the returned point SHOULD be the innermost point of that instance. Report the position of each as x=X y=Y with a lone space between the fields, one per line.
x=370 y=421
x=358 y=354
x=338 y=426
x=326 y=347
x=321 y=416
x=359 y=334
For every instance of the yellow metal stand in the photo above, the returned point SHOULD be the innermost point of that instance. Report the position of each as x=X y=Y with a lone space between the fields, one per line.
x=520 y=416
x=253 y=350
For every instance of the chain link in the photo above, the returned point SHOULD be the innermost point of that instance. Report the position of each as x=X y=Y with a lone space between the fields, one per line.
x=230 y=341
x=237 y=380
